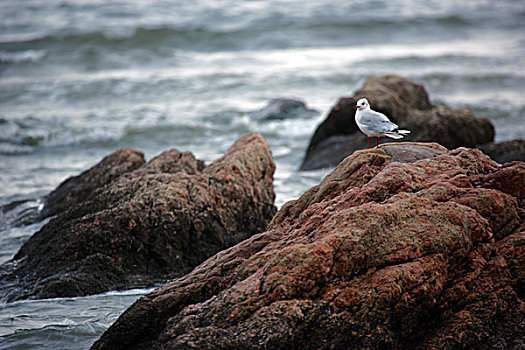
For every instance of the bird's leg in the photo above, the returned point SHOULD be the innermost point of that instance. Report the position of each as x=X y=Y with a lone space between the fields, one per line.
x=368 y=144
x=377 y=142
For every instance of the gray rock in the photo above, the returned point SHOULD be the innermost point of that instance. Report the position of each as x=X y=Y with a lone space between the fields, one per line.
x=284 y=108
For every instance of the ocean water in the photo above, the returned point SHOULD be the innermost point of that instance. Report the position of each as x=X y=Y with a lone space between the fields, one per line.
x=80 y=79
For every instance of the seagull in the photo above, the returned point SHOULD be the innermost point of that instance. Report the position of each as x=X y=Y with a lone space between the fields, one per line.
x=376 y=124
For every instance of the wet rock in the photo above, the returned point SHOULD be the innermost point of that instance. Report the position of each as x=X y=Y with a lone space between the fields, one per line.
x=146 y=225
x=406 y=104
x=77 y=189
x=284 y=108
x=74 y=190
x=505 y=152
x=382 y=254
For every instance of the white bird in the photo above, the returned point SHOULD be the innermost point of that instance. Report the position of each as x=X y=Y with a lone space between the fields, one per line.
x=376 y=124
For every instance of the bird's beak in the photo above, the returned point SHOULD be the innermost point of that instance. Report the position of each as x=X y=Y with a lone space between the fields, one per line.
x=356 y=107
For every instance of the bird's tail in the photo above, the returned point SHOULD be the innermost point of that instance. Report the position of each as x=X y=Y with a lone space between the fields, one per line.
x=397 y=134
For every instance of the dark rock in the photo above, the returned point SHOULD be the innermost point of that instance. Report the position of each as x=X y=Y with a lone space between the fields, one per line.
x=284 y=108
x=329 y=152
x=77 y=189
x=406 y=104
x=505 y=152
x=74 y=190
x=153 y=223
x=419 y=254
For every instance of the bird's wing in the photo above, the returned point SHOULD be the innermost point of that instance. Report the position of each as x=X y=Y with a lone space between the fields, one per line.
x=376 y=122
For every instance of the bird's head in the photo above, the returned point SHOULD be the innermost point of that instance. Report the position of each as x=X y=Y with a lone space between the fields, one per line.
x=362 y=104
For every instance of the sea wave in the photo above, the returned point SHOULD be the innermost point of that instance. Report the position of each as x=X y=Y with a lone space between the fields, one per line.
x=140 y=36
x=514 y=79
x=9 y=149
x=7 y=57
x=228 y=36
x=28 y=134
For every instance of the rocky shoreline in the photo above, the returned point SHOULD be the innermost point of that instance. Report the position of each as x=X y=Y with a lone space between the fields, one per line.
x=408 y=105
x=126 y=222
x=409 y=245
x=413 y=244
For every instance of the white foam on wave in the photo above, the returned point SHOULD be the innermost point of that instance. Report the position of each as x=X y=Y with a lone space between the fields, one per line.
x=320 y=58
x=134 y=292
x=317 y=61
x=22 y=56
x=19 y=37
x=12 y=149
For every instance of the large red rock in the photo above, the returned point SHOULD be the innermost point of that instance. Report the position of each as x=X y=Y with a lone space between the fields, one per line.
x=405 y=246
x=406 y=104
x=147 y=225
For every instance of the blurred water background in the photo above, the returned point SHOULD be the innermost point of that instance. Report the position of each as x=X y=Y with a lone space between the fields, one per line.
x=80 y=79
